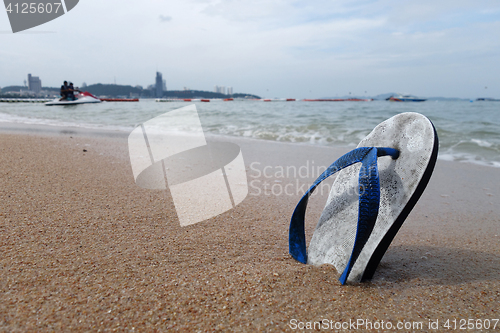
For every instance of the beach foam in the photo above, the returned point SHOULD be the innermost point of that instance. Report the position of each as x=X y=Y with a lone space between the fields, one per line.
x=468 y=132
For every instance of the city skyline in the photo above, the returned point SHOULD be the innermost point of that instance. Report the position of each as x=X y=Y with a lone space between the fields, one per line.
x=274 y=48
x=34 y=85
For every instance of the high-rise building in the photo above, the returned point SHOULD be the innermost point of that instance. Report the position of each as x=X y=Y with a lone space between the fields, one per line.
x=34 y=83
x=222 y=90
x=164 y=85
x=159 y=85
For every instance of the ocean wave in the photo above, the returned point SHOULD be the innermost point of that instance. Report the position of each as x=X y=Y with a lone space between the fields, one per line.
x=467 y=158
x=482 y=143
x=464 y=136
x=8 y=118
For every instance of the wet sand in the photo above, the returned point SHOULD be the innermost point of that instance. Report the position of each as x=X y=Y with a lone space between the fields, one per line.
x=85 y=249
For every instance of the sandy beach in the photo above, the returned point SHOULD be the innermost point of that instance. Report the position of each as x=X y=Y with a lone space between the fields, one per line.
x=85 y=249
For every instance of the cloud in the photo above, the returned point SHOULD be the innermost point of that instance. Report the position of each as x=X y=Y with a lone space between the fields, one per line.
x=165 y=18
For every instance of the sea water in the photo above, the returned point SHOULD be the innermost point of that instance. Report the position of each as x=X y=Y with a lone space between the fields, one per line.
x=468 y=132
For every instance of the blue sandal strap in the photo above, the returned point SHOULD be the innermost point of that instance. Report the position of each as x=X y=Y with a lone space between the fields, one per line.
x=297 y=238
x=368 y=201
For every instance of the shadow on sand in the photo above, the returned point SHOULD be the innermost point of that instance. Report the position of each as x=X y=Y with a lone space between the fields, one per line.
x=436 y=265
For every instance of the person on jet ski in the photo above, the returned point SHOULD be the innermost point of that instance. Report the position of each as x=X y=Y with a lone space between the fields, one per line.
x=64 y=91
x=71 y=92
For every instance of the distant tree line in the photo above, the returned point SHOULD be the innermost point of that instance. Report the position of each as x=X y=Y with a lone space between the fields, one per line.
x=8 y=92
x=8 y=89
x=113 y=90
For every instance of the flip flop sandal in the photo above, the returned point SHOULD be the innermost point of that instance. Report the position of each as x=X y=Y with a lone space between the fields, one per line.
x=370 y=200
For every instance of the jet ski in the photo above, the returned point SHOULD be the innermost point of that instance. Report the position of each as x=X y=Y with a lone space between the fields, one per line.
x=81 y=98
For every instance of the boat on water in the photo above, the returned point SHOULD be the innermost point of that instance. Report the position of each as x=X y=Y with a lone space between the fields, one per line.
x=81 y=98
x=485 y=99
x=405 y=98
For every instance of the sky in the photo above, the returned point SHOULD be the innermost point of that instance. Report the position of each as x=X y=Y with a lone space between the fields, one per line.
x=271 y=48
